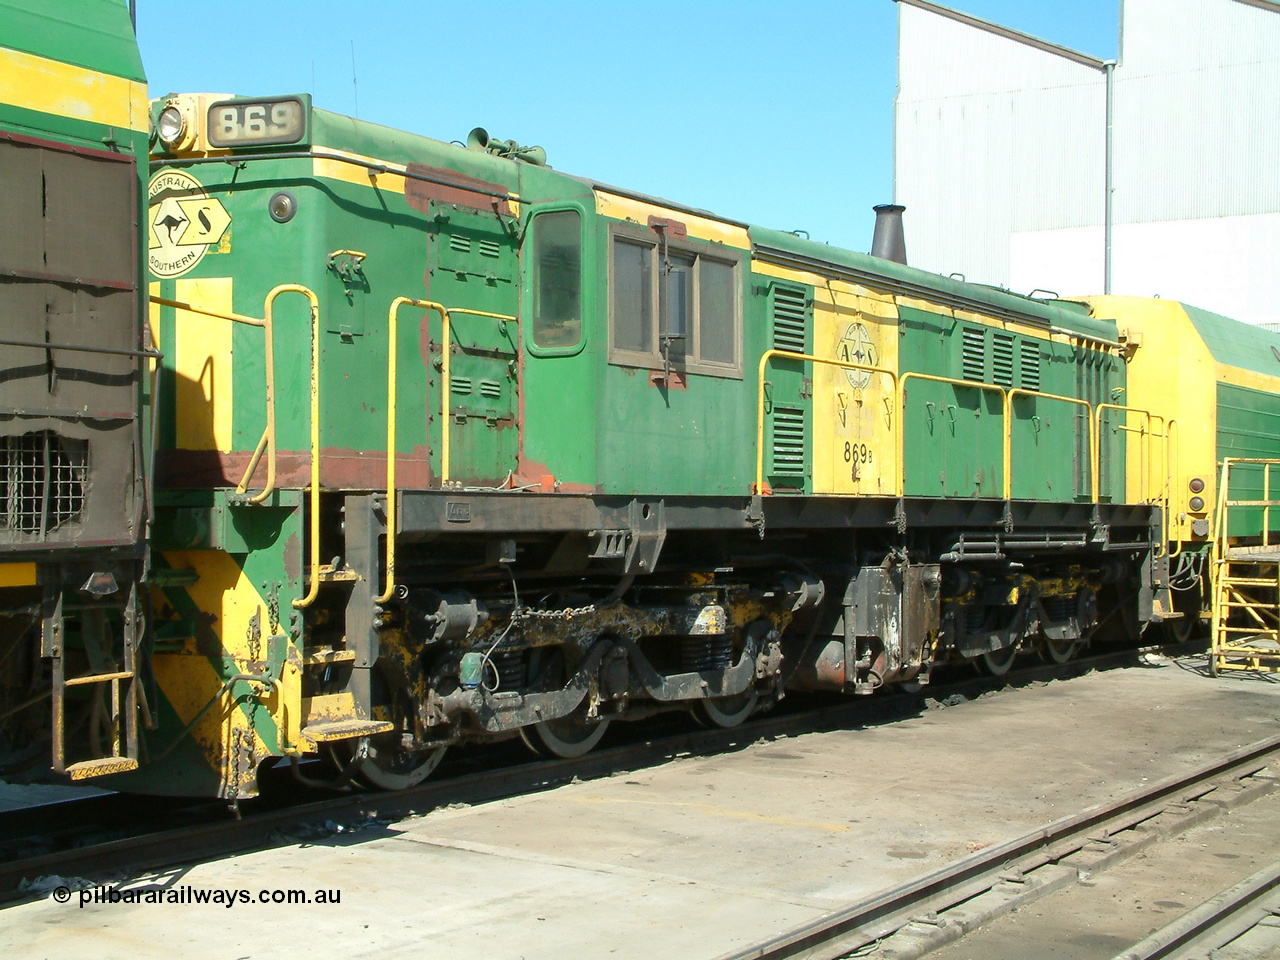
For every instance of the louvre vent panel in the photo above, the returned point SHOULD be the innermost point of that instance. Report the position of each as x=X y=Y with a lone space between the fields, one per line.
x=974 y=352
x=1002 y=359
x=788 y=440
x=42 y=481
x=490 y=248
x=460 y=385
x=491 y=389
x=459 y=243
x=790 y=317
x=1030 y=364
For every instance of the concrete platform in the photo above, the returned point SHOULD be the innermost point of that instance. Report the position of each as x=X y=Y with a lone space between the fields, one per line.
x=696 y=857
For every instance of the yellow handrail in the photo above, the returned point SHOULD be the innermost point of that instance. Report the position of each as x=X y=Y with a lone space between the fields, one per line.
x=267 y=443
x=268 y=437
x=1171 y=450
x=314 y=587
x=1008 y=434
x=902 y=407
x=791 y=355
x=392 y=369
x=446 y=384
x=1148 y=432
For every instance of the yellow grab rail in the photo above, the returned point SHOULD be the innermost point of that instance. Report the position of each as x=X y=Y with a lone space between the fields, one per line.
x=392 y=369
x=267 y=443
x=1173 y=473
x=902 y=407
x=791 y=355
x=392 y=376
x=1148 y=433
x=314 y=586
x=445 y=377
x=1008 y=434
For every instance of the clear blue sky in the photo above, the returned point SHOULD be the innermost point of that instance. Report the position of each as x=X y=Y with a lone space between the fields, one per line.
x=770 y=112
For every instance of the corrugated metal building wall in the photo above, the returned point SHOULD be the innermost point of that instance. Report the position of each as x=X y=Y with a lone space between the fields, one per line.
x=1000 y=154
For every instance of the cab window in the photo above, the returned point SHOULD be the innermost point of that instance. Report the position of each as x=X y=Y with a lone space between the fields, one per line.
x=557 y=279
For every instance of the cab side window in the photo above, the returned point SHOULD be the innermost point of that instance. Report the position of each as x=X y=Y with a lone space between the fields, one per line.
x=679 y=301
x=557 y=279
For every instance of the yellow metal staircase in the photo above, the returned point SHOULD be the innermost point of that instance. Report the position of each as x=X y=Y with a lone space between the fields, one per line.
x=1246 y=581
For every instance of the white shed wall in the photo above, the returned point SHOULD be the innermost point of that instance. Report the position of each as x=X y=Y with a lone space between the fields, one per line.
x=993 y=138
x=1196 y=141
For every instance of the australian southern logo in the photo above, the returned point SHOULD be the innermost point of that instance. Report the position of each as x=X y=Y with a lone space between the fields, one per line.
x=184 y=222
x=856 y=346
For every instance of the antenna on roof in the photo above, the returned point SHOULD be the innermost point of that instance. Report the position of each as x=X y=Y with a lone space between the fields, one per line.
x=355 y=91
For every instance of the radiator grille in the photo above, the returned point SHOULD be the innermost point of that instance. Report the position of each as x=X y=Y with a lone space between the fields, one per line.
x=1030 y=357
x=789 y=316
x=44 y=481
x=974 y=350
x=1002 y=359
x=788 y=441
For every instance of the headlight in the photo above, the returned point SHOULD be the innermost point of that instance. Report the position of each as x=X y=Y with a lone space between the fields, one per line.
x=171 y=126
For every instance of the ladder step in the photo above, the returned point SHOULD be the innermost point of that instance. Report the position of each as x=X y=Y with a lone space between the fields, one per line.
x=331 y=574
x=345 y=729
x=102 y=767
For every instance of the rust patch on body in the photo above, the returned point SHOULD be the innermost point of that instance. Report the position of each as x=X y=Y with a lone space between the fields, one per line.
x=677 y=381
x=458 y=188
x=340 y=469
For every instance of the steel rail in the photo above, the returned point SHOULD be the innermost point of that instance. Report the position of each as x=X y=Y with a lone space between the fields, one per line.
x=1222 y=919
x=875 y=917
x=260 y=829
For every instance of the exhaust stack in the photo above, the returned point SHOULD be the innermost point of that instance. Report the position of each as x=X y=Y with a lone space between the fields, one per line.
x=889 y=242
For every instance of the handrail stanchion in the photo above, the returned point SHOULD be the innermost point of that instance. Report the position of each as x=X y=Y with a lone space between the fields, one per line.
x=393 y=366
x=807 y=358
x=314 y=587
x=902 y=407
x=1008 y=433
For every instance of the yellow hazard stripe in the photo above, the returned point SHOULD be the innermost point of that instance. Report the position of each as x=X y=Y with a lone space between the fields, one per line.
x=17 y=574
x=356 y=173
x=64 y=90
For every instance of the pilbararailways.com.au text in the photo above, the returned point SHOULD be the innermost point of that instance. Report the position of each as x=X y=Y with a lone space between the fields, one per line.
x=186 y=894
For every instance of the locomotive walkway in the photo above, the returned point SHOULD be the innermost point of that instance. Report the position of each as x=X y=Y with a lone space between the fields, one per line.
x=705 y=856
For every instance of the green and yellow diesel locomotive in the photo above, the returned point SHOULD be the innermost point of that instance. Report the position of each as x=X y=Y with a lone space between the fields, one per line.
x=74 y=457
x=641 y=457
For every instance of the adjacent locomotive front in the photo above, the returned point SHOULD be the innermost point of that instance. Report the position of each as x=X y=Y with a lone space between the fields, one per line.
x=74 y=456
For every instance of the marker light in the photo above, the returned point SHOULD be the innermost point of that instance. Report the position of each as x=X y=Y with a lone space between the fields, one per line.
x=1196 y=504
x=1196 y=485
x=282 y=206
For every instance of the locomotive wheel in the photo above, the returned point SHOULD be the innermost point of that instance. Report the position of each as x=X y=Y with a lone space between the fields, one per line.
x=725 y=712
x=1058 y=651
x=565 y=737
x=998 y=662
x=1180 y=630
x=388 y=767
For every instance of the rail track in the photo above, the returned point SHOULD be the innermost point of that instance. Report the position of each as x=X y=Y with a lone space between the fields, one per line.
x=106 y=845
x=940 y=907
x=1241 y=923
